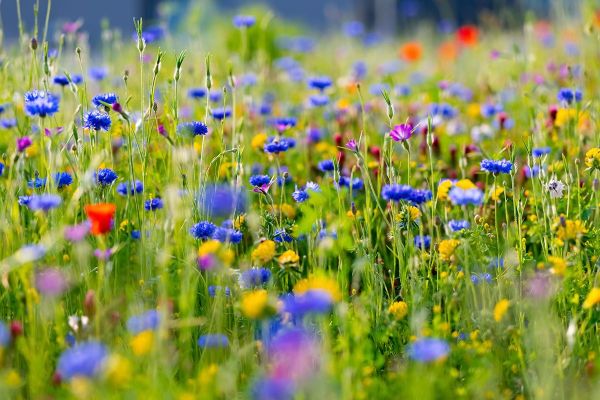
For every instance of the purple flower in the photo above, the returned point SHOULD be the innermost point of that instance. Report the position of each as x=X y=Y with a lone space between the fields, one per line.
x=428 y=349
x=401 y=132
x=51 y=282
x=77 y=233
x=23 y=143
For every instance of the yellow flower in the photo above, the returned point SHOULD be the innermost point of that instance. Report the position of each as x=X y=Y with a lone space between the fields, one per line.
x=414 y=212
x=254 y=303
x=141 y=344
x=592 y=298
x=447 y=247
x=500 y=309
x=592 y=158
x=32 y=151
x=398 y=309
x=497 y=192
x=117 y=370
x=319 y=282
x=207 y=374
x=570 y=229
x=465 y=184
x=474 y=110
x=289 y=257
x=12 y=379
x=81 y=387
x=443 y=189
x=559 y=265
x=258 y=141
x=209 y=247
x=264 y=252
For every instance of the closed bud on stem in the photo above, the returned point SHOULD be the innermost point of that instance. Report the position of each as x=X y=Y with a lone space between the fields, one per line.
x=34 y=44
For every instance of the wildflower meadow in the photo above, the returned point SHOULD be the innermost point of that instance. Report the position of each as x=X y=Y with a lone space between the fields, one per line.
x=239 y=207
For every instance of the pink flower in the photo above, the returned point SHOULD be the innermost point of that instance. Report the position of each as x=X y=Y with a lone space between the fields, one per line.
x=351 y=145
x=51 y=282
x=401 y=132
x=23 y=143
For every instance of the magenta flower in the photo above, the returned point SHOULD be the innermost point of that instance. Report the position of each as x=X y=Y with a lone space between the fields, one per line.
x=77 y=233
x=103 y=255
x=401 y=132
x=51 y=282
x=351 y=145
x=23 y=143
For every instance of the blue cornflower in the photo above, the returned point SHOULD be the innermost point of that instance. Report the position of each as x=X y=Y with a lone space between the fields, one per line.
x=153 y=204
x=44 y=202
x=540 y=151
x=8 y=123
x=456 y=225
x=273 y=388
x=1 y=168
x=284 y=123
x=419 y=196
x=531 y=172
x=106 y=176
x=60 y=80
x=244 y=21
x=319 y=82
x=428 y=349
x=146 y=321
x=108 y=98
x=203 y=230
x=193 y=128
x=488 y=110
x=396 y=192
x=37 y=183
x=221 y=113
x=326 y=165
x=98 y=73
x=215 y=96
x=5 y=335
x=41 y=103
x=83 y=359
x=479 y=278
x=254 y=277
x=319 y=100
x=277 y=145
x=355 y=183
x=422 y=242
x=280 y=236
x=214 y=340
x=3 y=108
x=260 y=180
x=97 y=120
x=221 y=200
x=125 y=188
x=196 y=93
x=462 y=197
x=152 y=34
x=24 y=200
x=136 y=234
x=212 y=290
x=354 y=28
x=63 y=179
x=300 y=195
x=314 y=301
x=224 y=235
x=567 y=95
x=496 y=166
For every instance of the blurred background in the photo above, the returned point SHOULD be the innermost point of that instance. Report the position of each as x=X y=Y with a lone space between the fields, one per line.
x=379 y=16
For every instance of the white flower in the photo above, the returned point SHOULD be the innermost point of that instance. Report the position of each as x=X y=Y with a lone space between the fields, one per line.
x=555 y=187
x=312 y=186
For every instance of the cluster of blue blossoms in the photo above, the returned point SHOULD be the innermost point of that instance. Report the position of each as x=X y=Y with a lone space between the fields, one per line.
x=397 y=192
x=496 y=166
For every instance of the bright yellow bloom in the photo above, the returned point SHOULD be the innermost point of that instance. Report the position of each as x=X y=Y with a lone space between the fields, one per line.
x=592 y=158
x=474 y=110
x=141 y=344
x=447 y=247
x=207 y=374
x=319 y=282
x=209 y=247
x=592 y=298
x=264 y=252
x=398 y=309
x=500 y=309
x=559 y=265
x=570 y=230
x=465 y=184
x=443 y=189
x=254 y=303
x=12 y=379
x=496 y=193
x=258 y=141
x=289 y=257
x=414 y=212
x=117 y=370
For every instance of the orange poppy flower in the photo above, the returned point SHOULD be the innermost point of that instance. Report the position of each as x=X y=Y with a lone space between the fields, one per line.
x=467 y=35
x=448 y=51
x=101 y=215
x=411 y=51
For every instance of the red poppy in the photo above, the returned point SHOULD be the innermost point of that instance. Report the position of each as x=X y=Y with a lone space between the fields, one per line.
x=411 y=51
x=101 y=215
x=467 y=35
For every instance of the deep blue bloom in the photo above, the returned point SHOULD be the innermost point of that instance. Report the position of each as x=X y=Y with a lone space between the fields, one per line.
x=193 y=128
x=83 y=359
x=3 y=108
x=203 y=230
x=212 y=290
x=244 y=21
x=355 y=183
x=197 y=93
x=479 y=278
x=227 y=235
x=531 y=172
x=63 y=179
x=260 y=180
x=496 y=166
x=135 y=234
x=214 y=340
x=254 y=277
x=283 y=123
x=488 y=110
x=444 y=110
x=153 y=204
x=108 y=98
x=1 y=168
x=60 y=80
x=37 y=183
x=97 y=120
x=4 y=335
x=152 y=34
x=273 y=388
x=567 y=95
x=41 y=103
x=428 y=349
x=98 y=73
x=221 y=113
x=44 y=202
x=458 y=225
x=396 y=192
x=215 y=96
x=300 y=195
x=420 y=196
x=280 y=236
x=24 y=200
x=277 y=145
x=462 y=197
x=8 y=123
x=314 y=301
x=540 y=151
x=326 y=165
x=319 y=82
x=106 y=176
x=125 y=188
x=148 y=320
x=422 y=242
x=222 y=201
x=319 y=100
